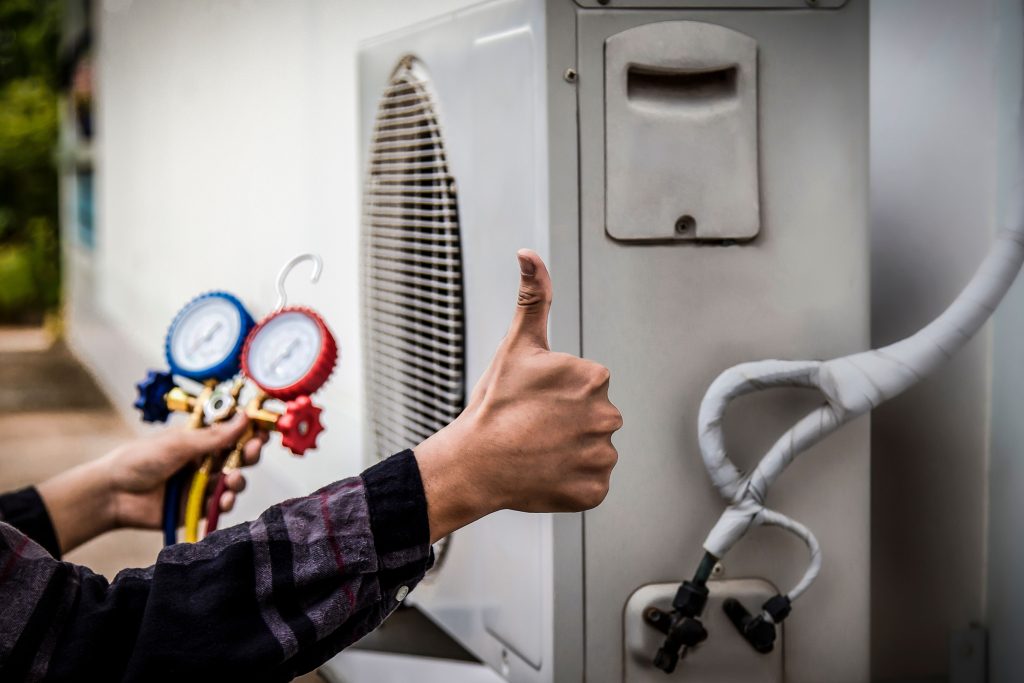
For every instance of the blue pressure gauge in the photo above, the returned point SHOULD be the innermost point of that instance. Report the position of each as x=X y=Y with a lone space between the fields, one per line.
x=205 y=340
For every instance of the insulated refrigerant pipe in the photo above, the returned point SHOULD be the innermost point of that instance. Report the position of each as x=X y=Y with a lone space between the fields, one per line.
x=851 y=385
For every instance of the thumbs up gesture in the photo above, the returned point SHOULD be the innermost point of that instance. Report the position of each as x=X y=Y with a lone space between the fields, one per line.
x=536 y=433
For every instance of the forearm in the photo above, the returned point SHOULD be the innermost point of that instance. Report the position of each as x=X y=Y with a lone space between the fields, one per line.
x=265 y=600
x=80 y=502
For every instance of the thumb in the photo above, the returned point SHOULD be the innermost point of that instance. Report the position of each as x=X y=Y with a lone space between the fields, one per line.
x=216 y=437
x=530 y=324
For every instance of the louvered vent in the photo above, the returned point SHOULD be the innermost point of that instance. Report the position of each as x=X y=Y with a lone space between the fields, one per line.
x=413 y=312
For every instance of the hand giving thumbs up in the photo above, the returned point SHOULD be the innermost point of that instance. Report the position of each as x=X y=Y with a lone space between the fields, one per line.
x=536 y=433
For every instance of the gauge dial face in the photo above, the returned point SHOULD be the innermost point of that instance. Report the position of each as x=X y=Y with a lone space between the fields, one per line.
x=206 y=334
x=284 y=350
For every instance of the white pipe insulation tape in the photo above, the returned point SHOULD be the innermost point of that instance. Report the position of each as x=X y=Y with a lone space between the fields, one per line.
x=851 y=385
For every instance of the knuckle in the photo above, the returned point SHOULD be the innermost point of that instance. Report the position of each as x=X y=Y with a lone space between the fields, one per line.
x=181 y=440
x=611 y=421
x=598 y=375
x=531 y=297
x=593 y=494
x=606 y=420
x=604 y=457
x=611 y=457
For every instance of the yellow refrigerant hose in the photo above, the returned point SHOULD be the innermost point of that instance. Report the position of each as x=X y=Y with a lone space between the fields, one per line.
x=196 y=494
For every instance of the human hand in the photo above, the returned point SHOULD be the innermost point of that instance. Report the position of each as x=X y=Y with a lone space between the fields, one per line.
x=139 y=469
x=536 y=433
x=125 y=488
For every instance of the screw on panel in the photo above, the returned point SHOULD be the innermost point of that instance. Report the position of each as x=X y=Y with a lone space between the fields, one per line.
x=570 y=75
x=717 y=570
x=686 y=225
x=658 y=619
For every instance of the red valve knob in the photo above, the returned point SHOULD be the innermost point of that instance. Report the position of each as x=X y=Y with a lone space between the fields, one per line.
x=299 y=425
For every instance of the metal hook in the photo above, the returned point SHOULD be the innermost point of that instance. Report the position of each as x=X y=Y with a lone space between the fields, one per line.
x=318 y=266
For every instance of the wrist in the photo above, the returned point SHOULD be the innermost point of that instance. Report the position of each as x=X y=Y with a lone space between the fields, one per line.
x=81 y=503
x=99 y=487
x=107 y=495
x=457 y=491
x=109 y=491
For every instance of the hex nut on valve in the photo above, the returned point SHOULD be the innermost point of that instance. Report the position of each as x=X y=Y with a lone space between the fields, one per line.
x=755 y=630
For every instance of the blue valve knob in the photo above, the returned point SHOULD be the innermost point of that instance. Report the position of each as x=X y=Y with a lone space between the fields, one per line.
x=152 y=392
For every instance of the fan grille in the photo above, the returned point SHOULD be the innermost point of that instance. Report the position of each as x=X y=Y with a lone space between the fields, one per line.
x=413 y=307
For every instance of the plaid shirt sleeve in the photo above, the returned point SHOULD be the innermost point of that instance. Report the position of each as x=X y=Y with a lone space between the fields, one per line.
x=25 y=511
x=261 y=601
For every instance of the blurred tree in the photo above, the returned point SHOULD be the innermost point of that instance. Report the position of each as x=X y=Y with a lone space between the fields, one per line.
x=29 y=249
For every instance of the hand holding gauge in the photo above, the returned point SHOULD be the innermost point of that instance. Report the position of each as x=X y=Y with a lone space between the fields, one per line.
x=203 y=344
x=288 y=356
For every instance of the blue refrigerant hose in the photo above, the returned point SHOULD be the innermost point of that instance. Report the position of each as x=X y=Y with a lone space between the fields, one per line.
x=172 y=498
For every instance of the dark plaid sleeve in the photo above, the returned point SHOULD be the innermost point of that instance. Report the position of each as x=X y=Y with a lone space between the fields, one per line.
x=262 y=601
x=26 y=512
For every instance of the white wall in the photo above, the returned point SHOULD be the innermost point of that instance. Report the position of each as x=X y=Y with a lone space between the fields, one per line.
x=226 y=143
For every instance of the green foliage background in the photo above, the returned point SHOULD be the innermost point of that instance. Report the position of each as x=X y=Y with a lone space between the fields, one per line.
x=29 y=248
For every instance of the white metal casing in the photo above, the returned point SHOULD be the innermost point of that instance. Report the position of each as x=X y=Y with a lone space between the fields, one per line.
x=541 y=597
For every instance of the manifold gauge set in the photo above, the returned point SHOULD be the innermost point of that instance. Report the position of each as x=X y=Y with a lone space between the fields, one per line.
x=215 y=351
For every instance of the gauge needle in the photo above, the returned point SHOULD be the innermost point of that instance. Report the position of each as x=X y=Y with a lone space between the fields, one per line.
x=287 y=352
x=206 y=337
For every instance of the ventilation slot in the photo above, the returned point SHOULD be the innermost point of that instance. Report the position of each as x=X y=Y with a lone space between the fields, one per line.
x=413 y=307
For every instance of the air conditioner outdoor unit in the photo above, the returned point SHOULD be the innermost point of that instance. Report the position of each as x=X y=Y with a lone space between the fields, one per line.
x=695 y=175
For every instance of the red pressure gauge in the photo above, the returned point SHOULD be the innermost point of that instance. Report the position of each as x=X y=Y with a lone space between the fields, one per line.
x=290 y=353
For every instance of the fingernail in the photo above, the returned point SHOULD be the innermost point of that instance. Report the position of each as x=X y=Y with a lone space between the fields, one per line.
x=526 y=266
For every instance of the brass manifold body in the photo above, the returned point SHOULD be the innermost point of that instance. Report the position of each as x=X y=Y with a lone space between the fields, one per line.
x=179 y=400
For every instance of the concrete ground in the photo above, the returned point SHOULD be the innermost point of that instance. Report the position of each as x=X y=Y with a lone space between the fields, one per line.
x=53 y=417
